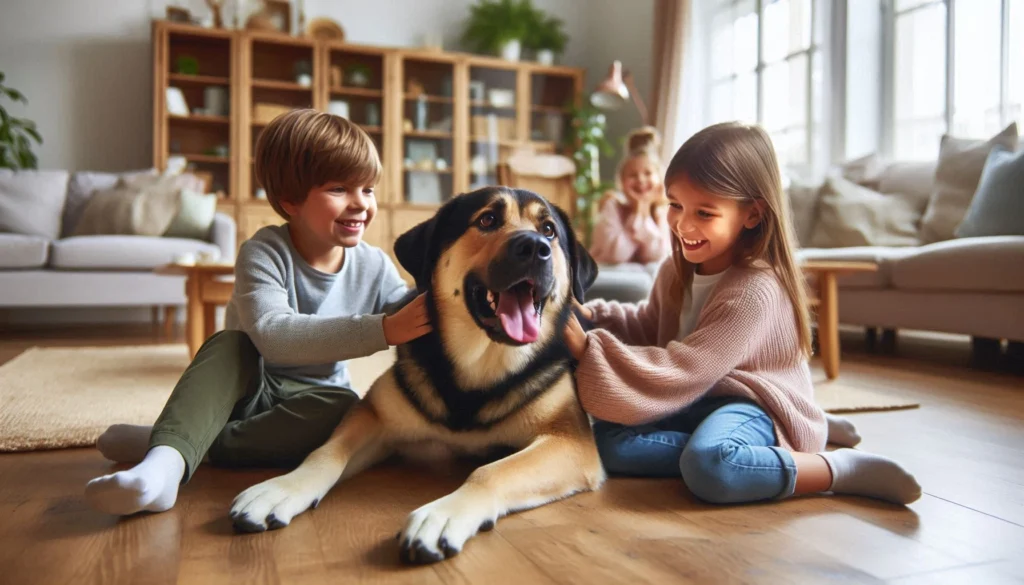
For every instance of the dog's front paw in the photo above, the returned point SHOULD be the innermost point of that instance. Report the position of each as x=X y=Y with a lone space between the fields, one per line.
x=440 y=529
x=271 y=504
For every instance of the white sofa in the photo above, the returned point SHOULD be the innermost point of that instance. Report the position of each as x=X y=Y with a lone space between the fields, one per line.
x=41 y=265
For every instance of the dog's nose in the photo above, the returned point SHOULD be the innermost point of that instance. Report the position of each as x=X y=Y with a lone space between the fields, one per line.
x=528 y=246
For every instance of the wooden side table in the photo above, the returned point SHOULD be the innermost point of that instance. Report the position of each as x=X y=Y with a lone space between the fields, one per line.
x=205 y=289
x=827 y=303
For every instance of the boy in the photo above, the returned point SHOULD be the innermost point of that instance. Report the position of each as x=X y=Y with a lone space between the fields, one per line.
x=308 y=295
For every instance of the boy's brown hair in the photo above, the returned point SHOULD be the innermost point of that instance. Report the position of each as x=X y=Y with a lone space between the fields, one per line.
x=305 y=148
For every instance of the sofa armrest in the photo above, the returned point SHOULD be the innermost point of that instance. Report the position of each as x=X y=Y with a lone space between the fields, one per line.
x=224 y=234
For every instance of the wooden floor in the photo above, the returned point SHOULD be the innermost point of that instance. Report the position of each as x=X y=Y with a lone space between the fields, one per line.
x=966 y=445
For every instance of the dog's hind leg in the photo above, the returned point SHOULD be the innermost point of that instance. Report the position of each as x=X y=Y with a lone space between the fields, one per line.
x=356 y=444
x=553 y=466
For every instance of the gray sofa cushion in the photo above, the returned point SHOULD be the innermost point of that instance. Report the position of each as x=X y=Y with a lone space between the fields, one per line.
x=881 y=255
x=81 y=187
x=626 y=283
x=123 y=252
x=31 y=202
x=21 y=251
x=990 y=264
x=961 y=162
x=998 y=205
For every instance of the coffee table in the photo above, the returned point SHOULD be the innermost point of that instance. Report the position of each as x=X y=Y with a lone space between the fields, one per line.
x=205 y=288
x=826 y=301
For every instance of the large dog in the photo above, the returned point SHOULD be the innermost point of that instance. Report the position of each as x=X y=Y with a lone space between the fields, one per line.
x=501 y=268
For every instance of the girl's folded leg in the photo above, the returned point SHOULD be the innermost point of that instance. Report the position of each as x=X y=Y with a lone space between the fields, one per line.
x=732 y=458
x=645 y=451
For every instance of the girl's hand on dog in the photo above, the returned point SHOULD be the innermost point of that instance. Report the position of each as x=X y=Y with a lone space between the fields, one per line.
x=587 y=313
x=575 y=338
x=408 y=323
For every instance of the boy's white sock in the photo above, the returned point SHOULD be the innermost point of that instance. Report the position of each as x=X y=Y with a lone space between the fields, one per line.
x=866 y=474
x=150 y=486
x=841 y=431
x=125 y=443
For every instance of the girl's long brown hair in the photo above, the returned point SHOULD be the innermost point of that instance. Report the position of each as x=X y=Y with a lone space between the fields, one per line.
x=737 y=161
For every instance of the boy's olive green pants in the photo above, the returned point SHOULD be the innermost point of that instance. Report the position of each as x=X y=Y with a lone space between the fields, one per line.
x=227 y=406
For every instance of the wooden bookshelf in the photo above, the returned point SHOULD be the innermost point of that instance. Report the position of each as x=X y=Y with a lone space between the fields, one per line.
x=415 y=105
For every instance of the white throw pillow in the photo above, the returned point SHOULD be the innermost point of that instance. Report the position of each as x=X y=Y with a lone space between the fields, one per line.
x=851 y=215
x=31 y=202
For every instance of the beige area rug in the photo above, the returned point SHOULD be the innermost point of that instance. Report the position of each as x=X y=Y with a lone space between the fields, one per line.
x=52 y=398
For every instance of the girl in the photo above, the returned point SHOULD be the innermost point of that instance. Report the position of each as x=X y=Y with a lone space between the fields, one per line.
x=633 y=226
x=708 y=378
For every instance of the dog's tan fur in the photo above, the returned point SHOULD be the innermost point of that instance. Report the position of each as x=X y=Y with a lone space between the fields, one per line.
x=555 y=452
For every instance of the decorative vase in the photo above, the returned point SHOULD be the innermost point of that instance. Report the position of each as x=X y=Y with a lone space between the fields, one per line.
x=546 y=57
x=510 y=50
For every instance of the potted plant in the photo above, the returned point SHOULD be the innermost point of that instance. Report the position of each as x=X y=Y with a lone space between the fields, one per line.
x=16 y=134
x=547 y=38
x=587 y=143
x=358 y=74
x=499 y=27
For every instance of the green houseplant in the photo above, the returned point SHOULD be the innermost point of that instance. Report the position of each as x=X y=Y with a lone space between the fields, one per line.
x=588 y=142
x=547 y=38
x=499 y=27
x=16 y=134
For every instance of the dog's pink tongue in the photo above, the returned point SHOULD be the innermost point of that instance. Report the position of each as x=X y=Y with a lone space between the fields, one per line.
x=517 y=314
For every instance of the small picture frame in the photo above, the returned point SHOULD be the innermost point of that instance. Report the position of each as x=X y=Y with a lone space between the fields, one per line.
x=424 y=187
x=176 y=103
x=421 y=151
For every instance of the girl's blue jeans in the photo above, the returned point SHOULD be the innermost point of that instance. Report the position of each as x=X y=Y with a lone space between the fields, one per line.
x=724 y=449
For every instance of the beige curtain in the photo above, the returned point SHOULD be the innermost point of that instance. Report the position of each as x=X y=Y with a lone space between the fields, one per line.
x=671 y=21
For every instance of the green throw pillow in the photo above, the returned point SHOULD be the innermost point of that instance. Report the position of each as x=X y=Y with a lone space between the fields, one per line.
x=195 y=216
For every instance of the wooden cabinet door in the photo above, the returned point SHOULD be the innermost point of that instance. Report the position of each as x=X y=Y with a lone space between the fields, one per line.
x=254 y=217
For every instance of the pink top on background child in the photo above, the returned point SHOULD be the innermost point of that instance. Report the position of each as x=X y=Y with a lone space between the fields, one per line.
x=623 y=236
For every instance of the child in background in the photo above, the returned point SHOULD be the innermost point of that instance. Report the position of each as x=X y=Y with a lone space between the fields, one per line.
x=708 y=379
x=308 y=295
x=632 y=226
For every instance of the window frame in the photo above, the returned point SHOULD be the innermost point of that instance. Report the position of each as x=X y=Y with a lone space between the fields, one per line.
x=814 y=50
x=889 y=16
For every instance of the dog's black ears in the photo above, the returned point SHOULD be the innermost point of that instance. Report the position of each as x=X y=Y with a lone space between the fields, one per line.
x=413 y=252
x=417 y=249
x=584 y=269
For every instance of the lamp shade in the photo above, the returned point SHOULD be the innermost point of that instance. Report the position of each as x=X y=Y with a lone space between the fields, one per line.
x=611 y=93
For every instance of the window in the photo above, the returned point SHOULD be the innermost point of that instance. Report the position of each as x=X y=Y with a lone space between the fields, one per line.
x=765 y=67
x=977 y=93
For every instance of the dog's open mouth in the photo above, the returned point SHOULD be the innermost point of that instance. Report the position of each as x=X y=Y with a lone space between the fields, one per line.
x=513 y=314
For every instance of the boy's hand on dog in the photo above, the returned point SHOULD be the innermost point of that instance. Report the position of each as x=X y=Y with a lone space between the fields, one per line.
x=575 y=337
x=408 y=323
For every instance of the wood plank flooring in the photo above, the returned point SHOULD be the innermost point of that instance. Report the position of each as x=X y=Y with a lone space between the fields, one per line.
x=966 y=445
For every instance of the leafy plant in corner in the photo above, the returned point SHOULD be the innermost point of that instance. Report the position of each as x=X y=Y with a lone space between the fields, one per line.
x=587 y=142
x=16 y=134
x=548 y=32
x=492 y=23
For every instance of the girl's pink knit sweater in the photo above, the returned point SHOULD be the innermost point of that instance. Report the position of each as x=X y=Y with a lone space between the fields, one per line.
x=745 y=344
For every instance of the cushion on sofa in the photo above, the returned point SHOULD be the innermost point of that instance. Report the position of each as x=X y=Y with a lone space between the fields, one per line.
x=961 y=162
x=31 y=202
x=852 y=215
x=998 y=205
x=881 y=255
x=123 y=252
x=990 y=264
x=81 y=187
x=915 y=180
x=22 y=251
